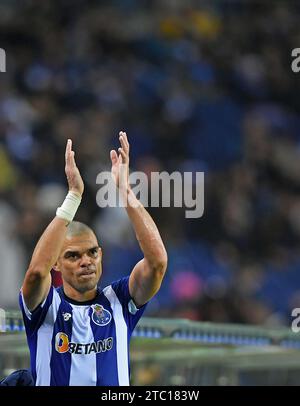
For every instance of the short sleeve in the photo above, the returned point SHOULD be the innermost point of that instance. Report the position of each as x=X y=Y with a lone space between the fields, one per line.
x=33 y=320
x=131 y=312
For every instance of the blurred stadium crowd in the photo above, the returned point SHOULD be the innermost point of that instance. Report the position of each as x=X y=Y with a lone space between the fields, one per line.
x=198 y=86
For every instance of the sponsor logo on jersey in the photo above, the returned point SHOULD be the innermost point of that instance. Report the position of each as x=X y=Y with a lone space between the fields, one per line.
x=67 y=316
x=100 y=316
x=62 y=345
x=61 y=342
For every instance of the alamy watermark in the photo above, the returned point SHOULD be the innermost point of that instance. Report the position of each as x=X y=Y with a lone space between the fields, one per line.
x=2 y=60
x=296 y=322
x=296 y=62
x=160 y=190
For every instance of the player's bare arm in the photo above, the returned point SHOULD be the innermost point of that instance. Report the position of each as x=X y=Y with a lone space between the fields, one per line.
x=37 y=280
x=146 y=277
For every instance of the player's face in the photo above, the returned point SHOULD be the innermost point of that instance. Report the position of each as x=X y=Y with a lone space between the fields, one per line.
x=80 y=262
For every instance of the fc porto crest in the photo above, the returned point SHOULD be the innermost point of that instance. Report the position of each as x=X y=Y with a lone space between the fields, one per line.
x=100 y=316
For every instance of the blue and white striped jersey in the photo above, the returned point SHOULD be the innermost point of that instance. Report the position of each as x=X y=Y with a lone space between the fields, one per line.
x=84 y=343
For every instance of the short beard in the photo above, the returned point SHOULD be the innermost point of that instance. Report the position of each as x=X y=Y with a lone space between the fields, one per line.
x=82 y=288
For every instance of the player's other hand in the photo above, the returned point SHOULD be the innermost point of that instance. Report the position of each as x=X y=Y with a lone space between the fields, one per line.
x=74 y=178
x=120 y=163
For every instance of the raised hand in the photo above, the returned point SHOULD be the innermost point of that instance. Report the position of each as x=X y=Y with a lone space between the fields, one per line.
x=74 y=178
x=120 y=163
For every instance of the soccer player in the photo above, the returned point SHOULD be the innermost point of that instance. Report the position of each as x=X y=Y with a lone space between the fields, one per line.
x=78 y=334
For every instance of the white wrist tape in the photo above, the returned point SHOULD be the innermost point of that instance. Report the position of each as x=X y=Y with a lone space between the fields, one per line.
x=69 y=207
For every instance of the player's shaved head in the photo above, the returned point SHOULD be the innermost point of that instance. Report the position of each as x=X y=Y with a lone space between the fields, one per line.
x=76 y=228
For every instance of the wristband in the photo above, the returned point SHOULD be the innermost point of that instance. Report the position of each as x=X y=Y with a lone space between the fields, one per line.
x=69 y=207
